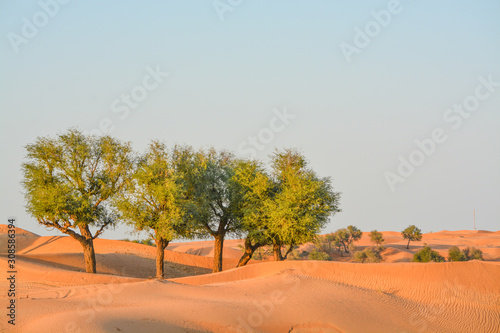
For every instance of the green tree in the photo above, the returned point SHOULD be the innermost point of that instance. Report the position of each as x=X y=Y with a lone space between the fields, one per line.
x=412 y=233
x=377 y=237
x=301 y=204
x=285 y=208
x=213 y=198
x=69 y=182
x=427 y=254
x=344 y=238
x=154 y=198
x=254 y=188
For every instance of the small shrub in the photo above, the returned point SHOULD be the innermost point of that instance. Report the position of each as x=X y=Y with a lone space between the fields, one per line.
x=316 y=255
x=469 y=253
x=427 y=254
x=371 y=255
x=454 y=254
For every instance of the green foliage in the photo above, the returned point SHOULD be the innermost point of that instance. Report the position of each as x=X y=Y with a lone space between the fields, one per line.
x=317 y=255
x=377 y=237
x=69 y=180
x=368 y=255
x=426 y=254
x=301 y=203
x=454 y=254
x=412 y=233
x=213 y=197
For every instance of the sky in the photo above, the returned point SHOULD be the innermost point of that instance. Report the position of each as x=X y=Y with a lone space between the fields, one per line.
x=397 y=101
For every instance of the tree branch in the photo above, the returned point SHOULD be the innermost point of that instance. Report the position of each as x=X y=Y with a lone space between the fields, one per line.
x=101 y=229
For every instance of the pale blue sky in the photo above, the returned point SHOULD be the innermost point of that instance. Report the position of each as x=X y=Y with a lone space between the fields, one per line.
x=352 y=120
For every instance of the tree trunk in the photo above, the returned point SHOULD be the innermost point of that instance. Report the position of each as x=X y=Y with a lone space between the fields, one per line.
x=245 y=258
x=408 y=245
x=161 y=244
x=290 y=249
x=249 y=251
x=218 y=246
x=89 y=255
x=88 y=248
x=277 y=252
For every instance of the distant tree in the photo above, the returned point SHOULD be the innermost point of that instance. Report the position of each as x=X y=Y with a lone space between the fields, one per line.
x=325 y=243
x=370 y=255
x=154 y=200
x=344 y=238
x=427 y=254
x=341 y=240
x=412 y=233
x=376 y=237
x=69 y=182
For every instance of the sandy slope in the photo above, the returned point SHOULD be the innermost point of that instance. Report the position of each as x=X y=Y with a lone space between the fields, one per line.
x=291 y=296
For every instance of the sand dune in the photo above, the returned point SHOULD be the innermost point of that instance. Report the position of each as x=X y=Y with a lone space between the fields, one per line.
x=291 y=296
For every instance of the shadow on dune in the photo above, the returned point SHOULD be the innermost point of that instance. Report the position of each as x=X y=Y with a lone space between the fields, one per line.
x=126 y=265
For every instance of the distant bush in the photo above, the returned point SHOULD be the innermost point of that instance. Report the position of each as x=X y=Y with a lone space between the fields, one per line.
x=370 y=255
x=454 y=254
x=469 y=253
x=317 y=255
x=427 y=254
x=148 y=241
x=472 y=253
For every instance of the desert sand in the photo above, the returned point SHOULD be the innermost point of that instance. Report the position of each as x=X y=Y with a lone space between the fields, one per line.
x=55 y=295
